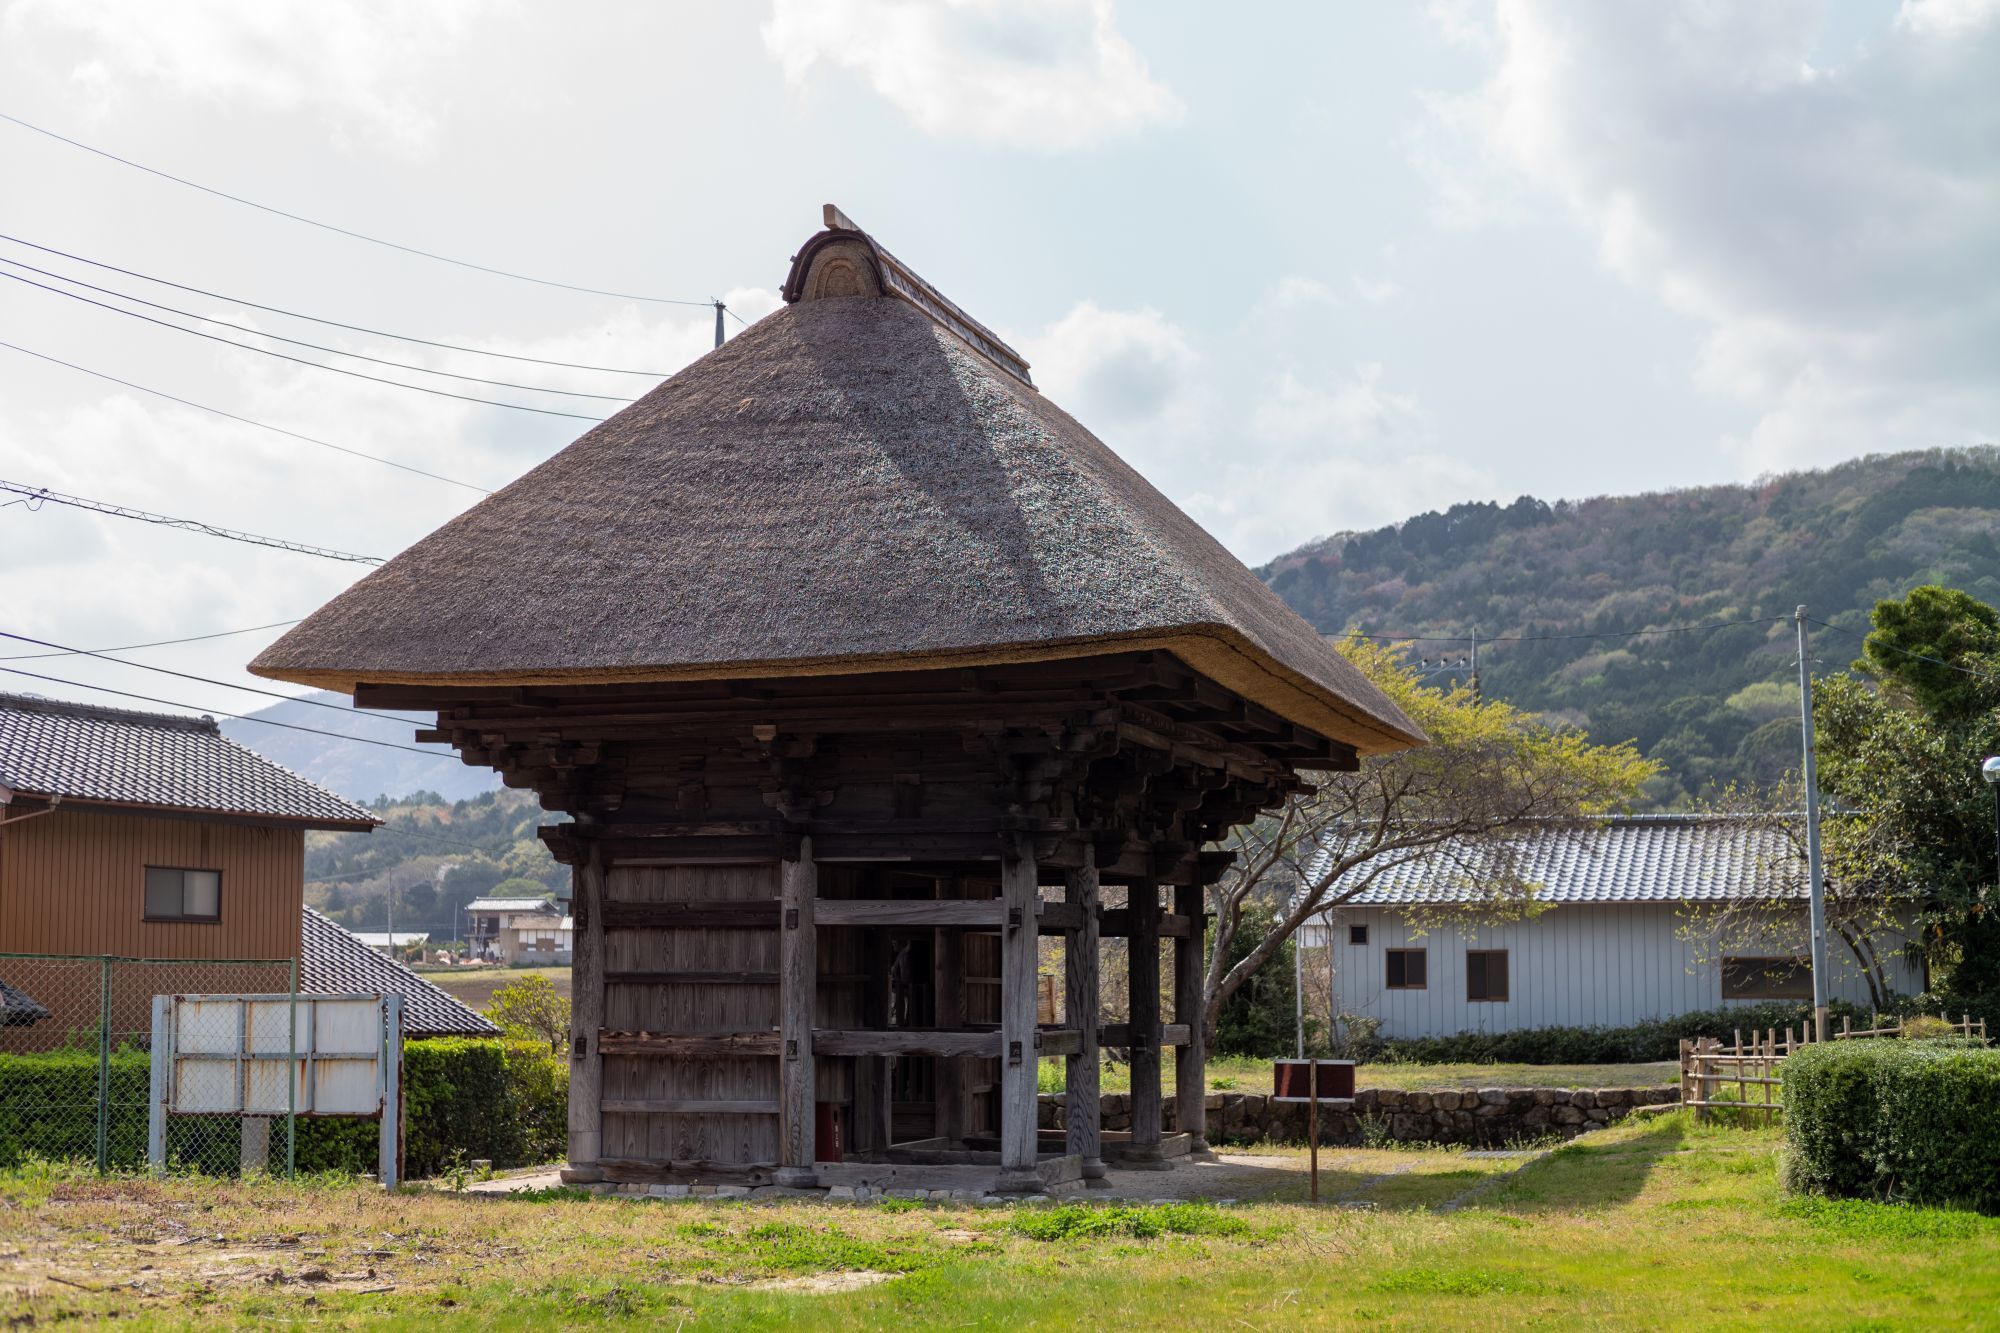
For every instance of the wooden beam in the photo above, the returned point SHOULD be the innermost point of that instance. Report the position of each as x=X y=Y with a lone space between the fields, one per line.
x=798 y=966
x=586 y=1067
x=1080 y=1011
x=1057 y=1041
x=1117 y=923
x=1143 y=988
x=690 y=978
x=1019 y=892
x=694 y=914
x=688 y=1106
x=904 y=1041
x=688 y=1044
x=1120 y=1034
x=988 y=913
x=1190 y=1061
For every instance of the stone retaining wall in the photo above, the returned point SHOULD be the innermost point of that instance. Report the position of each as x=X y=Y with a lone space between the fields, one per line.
x=1485 y=1116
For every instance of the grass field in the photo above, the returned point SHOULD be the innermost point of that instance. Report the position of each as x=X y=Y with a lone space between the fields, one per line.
x=1649 y=1224
x=1231 y=1073
x=475 y=985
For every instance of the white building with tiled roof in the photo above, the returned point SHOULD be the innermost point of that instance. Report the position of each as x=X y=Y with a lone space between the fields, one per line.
x=1611 y=944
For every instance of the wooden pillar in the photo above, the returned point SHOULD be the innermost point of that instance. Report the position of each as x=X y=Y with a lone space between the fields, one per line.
x=948 y=981
x=798 y=987
x=586 y=1066
x=1143 y=960
x=1018 y=941
x=1080 y=1009
x=870 y=1130
x=1191 y=1062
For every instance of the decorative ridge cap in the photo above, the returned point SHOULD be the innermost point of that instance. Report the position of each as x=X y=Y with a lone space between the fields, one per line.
x=28 y=703
x=895 y=278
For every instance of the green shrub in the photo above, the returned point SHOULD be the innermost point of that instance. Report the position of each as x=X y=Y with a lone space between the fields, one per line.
x=508 y=1101
x=1915 y=1120
x=1653 y=1039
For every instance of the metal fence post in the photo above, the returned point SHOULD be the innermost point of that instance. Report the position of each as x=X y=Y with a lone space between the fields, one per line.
x=161 y=1084
x=104 y=1066
x=389 y=1168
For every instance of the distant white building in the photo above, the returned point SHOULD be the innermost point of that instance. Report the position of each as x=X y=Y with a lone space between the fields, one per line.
x=518 y=930
x=1612 y=948
x=389 y=943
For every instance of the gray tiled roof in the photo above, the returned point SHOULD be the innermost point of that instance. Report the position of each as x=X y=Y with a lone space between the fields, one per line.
x=1627 y=859
x=332 y=961
x=84 y=752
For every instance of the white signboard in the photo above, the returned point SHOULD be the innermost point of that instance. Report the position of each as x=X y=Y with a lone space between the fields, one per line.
x=264 y=1056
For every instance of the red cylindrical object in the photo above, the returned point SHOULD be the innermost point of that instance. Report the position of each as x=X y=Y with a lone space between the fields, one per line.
x=826 y=1131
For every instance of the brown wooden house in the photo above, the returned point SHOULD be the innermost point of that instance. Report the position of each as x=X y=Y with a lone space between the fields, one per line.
x=153 y=836
x=842 y=646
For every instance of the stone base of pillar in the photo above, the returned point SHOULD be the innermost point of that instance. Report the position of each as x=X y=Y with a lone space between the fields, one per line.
x=1020 y=1182
x=1093 y=1168
x=582 y=1173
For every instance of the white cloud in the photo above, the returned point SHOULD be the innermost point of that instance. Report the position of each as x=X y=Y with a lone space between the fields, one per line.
x=1832 y=228
x=1114 y=368
x=1050 y=74
x=369 y=64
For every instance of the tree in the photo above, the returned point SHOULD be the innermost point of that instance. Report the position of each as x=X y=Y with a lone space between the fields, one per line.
x=1899 y=750
x=531 y=1009
x=1490 y=772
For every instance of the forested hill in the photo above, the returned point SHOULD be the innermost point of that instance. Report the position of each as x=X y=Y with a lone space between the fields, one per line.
x=1713 y=705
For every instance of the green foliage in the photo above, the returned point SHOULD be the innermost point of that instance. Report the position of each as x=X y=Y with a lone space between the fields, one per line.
x=1838 y=540
x=1653 y=1039
x=508 y=1101
x=1076 y=1221
x=1914 y=1120
x=530 y=1008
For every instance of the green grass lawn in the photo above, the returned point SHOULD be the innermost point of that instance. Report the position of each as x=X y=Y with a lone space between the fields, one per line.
x=1648 y=1224
x=1235 y=1073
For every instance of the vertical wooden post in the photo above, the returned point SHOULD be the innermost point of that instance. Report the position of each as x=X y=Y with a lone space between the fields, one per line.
x=586 y=1067
x=872 y=1111
x=1191 y=1061
x=1019 y=1134
x=798 y=986
x=1080 y=1007
x=948 y=980
x=1142 y=957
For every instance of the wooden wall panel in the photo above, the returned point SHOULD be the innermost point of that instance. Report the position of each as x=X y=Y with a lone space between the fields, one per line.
x=74 y=881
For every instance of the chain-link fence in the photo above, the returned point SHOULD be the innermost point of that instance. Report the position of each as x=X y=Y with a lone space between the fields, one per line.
x=76 y=1062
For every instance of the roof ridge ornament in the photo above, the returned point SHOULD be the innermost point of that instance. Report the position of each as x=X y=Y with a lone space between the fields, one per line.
x=845 y=261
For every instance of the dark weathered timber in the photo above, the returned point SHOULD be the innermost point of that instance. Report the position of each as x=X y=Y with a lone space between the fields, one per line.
x=798 y=887
x=1116 y=923
x=586 y=1068
x=905 y=1041
x=988 y=914
x=1018 y=889
x=1143 y=1012
x=687 y=1106
x=690 y=978
x=948 y=983
x=1057 y=1041
x=690 y=915
x=1190 y=1060
x=1120 y=1034
x=1080 y=1011
x=684 y=1044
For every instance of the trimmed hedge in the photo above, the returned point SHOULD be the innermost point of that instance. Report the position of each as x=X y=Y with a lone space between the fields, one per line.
x=1654 y=1039
x=1889 y=1119
x=508 y=1101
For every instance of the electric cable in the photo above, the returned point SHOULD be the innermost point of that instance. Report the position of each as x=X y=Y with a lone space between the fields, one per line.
x=36 y=496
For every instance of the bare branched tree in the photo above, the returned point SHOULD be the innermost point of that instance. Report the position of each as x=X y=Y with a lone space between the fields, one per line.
x=1459 y=806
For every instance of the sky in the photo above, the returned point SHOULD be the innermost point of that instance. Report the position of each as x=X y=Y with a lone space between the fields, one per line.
x=1309 y=268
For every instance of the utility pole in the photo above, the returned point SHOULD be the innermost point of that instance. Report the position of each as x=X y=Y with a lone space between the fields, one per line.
x=718 y=323
x=1299 y=993
x=1813 y=867
x=1475 y=664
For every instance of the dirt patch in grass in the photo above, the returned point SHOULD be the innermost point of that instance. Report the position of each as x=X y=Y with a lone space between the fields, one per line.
x=475 y=986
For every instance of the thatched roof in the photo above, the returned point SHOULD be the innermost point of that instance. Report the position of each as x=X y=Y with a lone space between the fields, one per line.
x=848 y=485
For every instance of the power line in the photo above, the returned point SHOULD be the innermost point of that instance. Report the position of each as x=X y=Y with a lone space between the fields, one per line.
x=299 y=342
x=157 y=643
x=1554 y=638
x=247 y=421
x=297 y=360
x=337 y=324
x=343 y=231
x=217 y=712
x=1934 y=661
x=38 y=495
x=209 y=680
